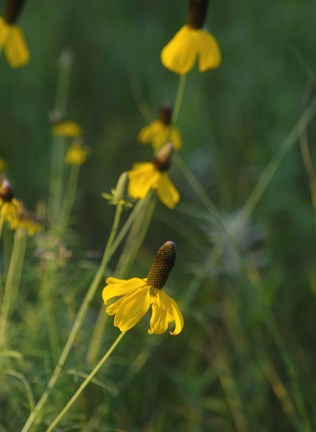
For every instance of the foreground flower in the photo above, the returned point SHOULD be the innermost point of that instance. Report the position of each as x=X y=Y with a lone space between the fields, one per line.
x=139 y=294
x=11 y=36
x=67 y=128
x=77 y=153
x=9 y=205
x=161 y=131
x=144 y=177
x=191 y=44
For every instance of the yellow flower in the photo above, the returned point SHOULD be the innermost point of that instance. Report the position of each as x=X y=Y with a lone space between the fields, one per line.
x=192 y=43
x=25 y=220
x=161 y=131
x=146 y=176
x=9 y=205
x=67 y=128
x=138 y=295
x=76 y=154
x=11 y=36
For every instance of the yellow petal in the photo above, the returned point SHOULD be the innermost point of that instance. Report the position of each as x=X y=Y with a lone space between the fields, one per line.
x=149 y=132
x=166 y=191
x=76 y=155
x=165 y=312
x=179 y=55
x=209 y=52
x=4 y=32
x=132 y=308
x=67 y=129
x=175 y=137
x=16 y=49
x=117 y=287
x=142 y=178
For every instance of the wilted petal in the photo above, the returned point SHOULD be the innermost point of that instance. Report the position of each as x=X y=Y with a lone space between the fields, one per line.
x=166 y=191
x=117 y=287
x=16 y=49
x=180 y=53
x=132 y=308
x=142 y=178
x=209 y=52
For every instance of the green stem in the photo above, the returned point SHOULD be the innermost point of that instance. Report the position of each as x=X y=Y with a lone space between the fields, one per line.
x=179 y=98
x=86 y=382
x=70 y=195
x=10 y=286
x=135 y=239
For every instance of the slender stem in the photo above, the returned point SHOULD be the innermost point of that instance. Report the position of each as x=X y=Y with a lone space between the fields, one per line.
x=86 y=382
x=70 y=194
x=77 y=323
x=275 y=162
x=10 y=285
x=179 y=98
x=309 y=167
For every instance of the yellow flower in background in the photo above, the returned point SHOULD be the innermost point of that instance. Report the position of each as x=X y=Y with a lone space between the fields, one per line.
x=146 y=176
x=192 y=44
x=25 y=220
x=76 y=154
x=9 y=205
x=138 y=295
x=3 y=165
x=12 y=40
x=67 y=128
x=161 y=131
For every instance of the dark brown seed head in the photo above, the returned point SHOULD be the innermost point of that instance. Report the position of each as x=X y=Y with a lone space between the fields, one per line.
x=197 y=13
x=6 y=191
x=163 y=158
x=12 y=10
x=165 y=114
x=161 y=267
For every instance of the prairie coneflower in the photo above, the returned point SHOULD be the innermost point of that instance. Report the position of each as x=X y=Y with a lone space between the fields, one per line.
x=146 y=176
x=67 y=128
x=11 y=36
x=9 y=205
x=138 y=295
x=77 y=153
x=161 y=131
x=192 y=43
x=26 y=220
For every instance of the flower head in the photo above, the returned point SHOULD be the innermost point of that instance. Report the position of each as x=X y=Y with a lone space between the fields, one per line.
x=138 y=295
x=11 y=36
x=77 y=153
x=161 y=131
x=26 y=220
x=192 y=43
x=66 y=128
x=146 y=176
x=9 y=205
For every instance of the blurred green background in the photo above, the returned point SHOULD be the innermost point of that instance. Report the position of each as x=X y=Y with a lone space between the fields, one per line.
x=243 y=334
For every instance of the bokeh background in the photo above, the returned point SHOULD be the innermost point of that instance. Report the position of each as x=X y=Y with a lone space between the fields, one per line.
x=245 y=360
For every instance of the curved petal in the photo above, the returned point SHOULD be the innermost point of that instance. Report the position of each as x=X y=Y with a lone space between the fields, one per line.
x=4 y=32
x=132 y=308
x=166 y=191
x=16 y=49
x=179 y=55
x=165 y=311
x=117 y=287
x=149 y=132
x=142 y=178
x=175 y=137
x=208 y=50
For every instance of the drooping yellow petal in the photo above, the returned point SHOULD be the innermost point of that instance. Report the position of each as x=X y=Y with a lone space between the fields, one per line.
x=9 y=210
x=175 y=137
x=179 y=55
x=166 y=191
x=132 y=308
x=165 y=312
x=209 y=52
x=67 y=129
x=117 y=287
x=4 y=32
x=16 y=49
x=148 y=132
x=142 y=178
